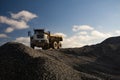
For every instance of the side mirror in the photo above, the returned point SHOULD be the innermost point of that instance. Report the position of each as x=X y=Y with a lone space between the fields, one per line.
x=29 y=33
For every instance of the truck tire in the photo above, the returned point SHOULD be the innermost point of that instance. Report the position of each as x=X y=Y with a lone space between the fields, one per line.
x=59 y=45
x=55 y=45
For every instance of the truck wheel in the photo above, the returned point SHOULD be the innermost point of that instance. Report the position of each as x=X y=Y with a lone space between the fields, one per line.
x=59 y=45
x=55 y=45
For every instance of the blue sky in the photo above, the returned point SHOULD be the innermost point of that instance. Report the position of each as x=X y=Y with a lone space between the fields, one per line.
x=63 y=17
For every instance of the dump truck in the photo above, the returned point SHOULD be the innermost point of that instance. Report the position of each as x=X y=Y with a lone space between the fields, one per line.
x=45 y=40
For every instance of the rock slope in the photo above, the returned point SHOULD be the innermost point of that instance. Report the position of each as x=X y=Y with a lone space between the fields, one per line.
x=95 y=62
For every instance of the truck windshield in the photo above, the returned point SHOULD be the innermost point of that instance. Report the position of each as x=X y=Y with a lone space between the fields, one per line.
x=39 y=33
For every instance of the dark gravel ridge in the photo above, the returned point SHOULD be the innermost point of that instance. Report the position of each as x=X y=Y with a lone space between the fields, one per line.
x=95 y=62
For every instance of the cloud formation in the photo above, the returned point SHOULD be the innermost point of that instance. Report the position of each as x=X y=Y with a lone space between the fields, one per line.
x=86 y=35
x=14 y=24
x=23 y=15
x=9 y=29
x=18 y=20
x=24 y=40
x=82 y=27
x=60 y=34
x=3 y=36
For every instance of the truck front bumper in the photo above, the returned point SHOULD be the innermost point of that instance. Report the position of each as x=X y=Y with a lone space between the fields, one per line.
x=39 y=43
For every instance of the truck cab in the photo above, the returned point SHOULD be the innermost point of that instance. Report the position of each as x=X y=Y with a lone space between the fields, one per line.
x=39 y=35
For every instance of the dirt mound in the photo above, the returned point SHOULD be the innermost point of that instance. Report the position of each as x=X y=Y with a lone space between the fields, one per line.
x=112 y=40
x=19 y=62
x=96 y=62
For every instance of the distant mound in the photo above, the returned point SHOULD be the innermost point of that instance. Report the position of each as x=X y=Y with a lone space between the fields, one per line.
x=112 y=40
x=96 y=62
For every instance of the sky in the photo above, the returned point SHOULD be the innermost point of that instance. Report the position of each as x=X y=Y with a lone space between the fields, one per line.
x=80 y=22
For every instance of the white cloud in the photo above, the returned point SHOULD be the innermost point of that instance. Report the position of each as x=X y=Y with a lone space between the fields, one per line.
x=72 y=41
x=83 y=33
x=24 y=40
x=60 y=34
x=23 y=15
x=98 y=34
x=85 y=36
x=82 y=27
x=18 y=21
x=9 y=29
x=14 y=24
x=3 y=36
x=117 y=32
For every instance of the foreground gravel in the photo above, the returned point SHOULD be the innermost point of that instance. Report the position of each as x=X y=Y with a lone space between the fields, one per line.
x=96 y=62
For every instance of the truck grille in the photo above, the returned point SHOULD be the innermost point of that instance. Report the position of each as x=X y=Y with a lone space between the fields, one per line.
x=40 y=36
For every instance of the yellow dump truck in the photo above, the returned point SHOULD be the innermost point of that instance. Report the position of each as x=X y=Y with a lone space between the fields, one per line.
x=45 y=40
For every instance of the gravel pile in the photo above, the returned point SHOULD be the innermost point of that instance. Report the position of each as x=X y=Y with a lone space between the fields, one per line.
x=95 y=62
x=19 y=62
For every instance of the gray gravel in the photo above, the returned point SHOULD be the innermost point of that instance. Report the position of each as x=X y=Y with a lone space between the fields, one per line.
x=95 y=62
